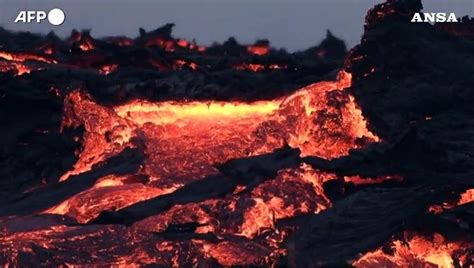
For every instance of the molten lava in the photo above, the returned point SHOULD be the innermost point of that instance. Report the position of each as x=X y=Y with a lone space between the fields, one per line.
x=184 y=141
x=206 y=183
x=259 y=49
x=18 y=63
x=417 y=251
x=107 y=69
x=16 y=67
x=22 y=57
x=183 y=43
x=358 y=180
x=466 y=197
x=180 y=64
x=86 y=45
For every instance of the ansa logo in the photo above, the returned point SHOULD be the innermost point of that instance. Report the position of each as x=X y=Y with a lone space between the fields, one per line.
x=434 y=17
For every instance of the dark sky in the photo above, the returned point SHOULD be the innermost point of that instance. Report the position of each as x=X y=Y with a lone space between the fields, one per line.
x=292 y=24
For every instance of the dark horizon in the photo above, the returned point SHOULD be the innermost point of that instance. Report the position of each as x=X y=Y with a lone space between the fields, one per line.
x=293 y=25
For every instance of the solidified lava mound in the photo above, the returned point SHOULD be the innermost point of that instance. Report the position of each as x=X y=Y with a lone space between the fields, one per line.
x=160 y=151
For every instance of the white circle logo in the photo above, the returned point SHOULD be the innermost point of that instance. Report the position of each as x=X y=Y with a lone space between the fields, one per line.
x=56 y=16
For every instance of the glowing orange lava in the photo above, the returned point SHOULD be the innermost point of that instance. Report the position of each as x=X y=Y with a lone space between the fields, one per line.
x=107 y=69
x=178 y=183
x=358 y=180
x=416 y=251
x=258 y=49
x=22 y=57
x=466 y=197
x=185 y=140
x=17 y=68
x=291 y=193
x=182 y=43
x=180 y=64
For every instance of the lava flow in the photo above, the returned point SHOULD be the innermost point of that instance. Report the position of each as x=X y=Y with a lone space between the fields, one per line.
x=465 y=198
x=419 y=251
x=16 y=62
x=321 y=119
x=155 y=151
x=183 y=142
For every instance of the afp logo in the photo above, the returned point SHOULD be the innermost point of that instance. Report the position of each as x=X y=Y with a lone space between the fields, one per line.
x=55 y=16
x=434 y=17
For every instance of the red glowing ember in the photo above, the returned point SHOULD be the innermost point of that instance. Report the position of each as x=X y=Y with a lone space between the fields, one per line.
x=260 y=48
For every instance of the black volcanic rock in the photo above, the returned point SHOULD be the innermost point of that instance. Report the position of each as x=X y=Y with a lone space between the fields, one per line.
x=330 y=47
x=414 y=77
x=415 y=85
x=406 y=72
x=464 y=28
